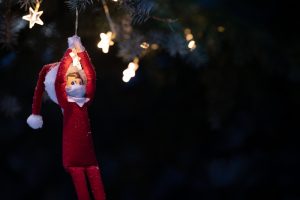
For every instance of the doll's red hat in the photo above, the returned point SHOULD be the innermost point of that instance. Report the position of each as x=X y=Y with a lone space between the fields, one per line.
x=35 y=120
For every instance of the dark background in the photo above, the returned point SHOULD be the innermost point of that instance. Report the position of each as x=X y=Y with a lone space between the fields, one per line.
x=225 y=130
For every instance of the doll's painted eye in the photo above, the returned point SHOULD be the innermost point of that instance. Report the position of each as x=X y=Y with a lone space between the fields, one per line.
x=72 y=83
x=80 y=82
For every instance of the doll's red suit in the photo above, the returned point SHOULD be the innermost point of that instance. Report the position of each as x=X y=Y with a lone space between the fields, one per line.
x=79 y=158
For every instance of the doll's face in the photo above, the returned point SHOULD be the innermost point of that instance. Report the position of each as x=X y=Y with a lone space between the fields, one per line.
x=75 y=86
x=74 y=79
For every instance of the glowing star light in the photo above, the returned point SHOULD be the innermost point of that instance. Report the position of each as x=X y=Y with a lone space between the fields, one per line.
x=106 y=41
x=34 y=17
x=130 y=71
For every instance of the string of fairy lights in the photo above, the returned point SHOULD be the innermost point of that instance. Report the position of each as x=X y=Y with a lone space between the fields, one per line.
x=107 y=39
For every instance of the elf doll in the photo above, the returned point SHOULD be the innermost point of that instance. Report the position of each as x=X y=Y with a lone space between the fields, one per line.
x=71 y=83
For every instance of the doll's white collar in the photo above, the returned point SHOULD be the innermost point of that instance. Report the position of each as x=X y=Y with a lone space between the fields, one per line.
x=80 y=101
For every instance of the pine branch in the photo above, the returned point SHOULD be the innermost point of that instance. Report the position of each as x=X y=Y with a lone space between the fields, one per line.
x=26 y=3
x=10 y=25
x=130 y=47
x=78 y=4
x=197 y=58
x=165 y=20
x=176 y=45
x=139 y=10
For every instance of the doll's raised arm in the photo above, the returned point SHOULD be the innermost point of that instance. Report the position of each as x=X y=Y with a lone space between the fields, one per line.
x=61 y=82
x=90 y=74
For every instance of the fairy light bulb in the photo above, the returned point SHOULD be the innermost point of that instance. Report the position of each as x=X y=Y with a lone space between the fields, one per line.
x=126 y=79
x=145 y=45
x=190 y=39
x=131 y=70
x=154 y=46
x=192 y=45
x=106 y=41
x=221 y=29
x=34 y=16
x=187 y=31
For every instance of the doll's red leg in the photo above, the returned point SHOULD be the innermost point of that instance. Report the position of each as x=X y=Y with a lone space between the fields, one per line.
x=79 y=181
x=95 y=180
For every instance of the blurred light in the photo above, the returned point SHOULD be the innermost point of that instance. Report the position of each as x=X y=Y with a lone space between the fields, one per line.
x=192 y=45
x=136 y=61
x=145 y=45
x=133 y=66
x=189 y=37
x=187 y=31
x=126 y=79
x=154 y=46
x=130 y=71
x=106 y=41
x=221 y=29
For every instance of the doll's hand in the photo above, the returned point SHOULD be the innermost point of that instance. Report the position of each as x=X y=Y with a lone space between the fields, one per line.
x=78 y=46
x=75 y=43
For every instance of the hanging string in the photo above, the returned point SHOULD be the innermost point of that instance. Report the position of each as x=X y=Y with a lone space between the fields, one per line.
x=76 y=22
x=109 y=19
x=37 y=5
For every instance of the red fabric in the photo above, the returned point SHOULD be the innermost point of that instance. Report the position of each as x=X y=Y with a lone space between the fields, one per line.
x=94 y=176
x=39 y=89
x=78 y=176
x=79 y=158
x=78 y=147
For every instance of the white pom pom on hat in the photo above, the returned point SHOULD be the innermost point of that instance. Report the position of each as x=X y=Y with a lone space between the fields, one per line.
x=35 y=121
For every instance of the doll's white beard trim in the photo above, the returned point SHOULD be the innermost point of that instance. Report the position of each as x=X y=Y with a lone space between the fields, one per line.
x=80 y=101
